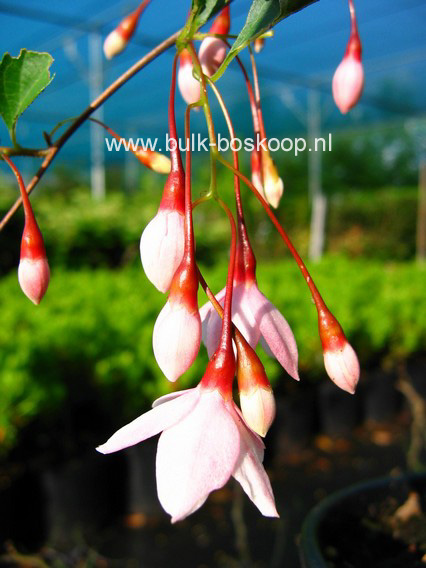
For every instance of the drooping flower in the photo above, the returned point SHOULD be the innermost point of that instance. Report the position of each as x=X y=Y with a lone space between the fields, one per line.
x=340 y=360
x=253 y=314
x=117 y=40
x=348 y=79
x=204 y=442
x=213 y=49
x=189 y=87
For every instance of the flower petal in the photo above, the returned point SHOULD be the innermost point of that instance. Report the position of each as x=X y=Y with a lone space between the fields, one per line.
x=196 y=456
x=251 y=475
x=151 y=423
x=242 y=315
x=169 y=396
x=275 y=331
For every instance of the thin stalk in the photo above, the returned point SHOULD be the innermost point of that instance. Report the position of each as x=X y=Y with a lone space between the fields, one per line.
x=94 y=105
x=319 y=302
x=257 y=93
x=27 y=205
x=204 y=101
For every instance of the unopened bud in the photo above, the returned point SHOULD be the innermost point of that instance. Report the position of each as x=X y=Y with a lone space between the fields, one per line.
x=33 y=270
x=340 y=360
x=155 y=161
x=273 y=185
x=256 y=171
x=256 y=396
x=348 y=83
x=213 y=50
x=177 y=331
x=259 y=44
x=189 y=87
x=118 y=39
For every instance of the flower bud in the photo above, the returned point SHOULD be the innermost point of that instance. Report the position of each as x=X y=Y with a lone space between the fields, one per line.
x=273 y=185
x=256 y=396
x=155 y=161
x=161 y=247
x=189 y=87
x=259 y=44
x=118 y=39
x=340 y=360
x=177 y=331
x=213 y=50
x=33 y=270
x=348 y=80
x=348 y=83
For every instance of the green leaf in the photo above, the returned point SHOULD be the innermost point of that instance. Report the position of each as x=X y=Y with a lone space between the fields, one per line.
x=205 y=9
x=22 y=79
x=262 y=16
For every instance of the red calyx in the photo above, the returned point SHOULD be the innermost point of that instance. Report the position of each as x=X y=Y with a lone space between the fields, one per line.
x=220 y=372
x=174 y=189
x=222 y=23
x=330 y=331
x=250 y=371
x=32 y=244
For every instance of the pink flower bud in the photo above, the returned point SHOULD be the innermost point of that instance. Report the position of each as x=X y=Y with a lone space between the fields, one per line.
x=161 y=247
x=189 y=87
x=258 y=408
x=114 y=44
x=177 y=331
x=348 y=82
x=342 y=367
x=340 y=360
x=34 y=276
x=155 y=161
x=176 y=338
x=213 y=49
x=273 y=185
x=259 y=44
x=33 y=270
x=118 y=39
x=256 y=396
x=212 y=54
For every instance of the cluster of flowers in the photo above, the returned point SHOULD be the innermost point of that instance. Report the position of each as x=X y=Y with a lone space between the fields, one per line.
x=205 y=437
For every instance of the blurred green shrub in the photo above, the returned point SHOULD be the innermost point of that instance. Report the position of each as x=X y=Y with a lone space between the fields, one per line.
x=93 y=332
x=80 y=232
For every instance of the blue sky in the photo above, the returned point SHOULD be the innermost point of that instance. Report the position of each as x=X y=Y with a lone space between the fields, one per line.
x=305 y=51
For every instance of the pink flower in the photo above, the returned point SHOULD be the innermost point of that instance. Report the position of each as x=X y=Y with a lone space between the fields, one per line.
x=189 y=87
x=204 y=442
x=257 y=319
x=161 y=247
x=348 y=83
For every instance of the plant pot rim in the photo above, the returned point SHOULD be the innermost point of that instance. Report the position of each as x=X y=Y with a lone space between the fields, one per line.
x=311 y=555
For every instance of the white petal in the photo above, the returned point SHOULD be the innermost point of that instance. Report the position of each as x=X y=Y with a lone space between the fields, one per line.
x=275 y=331
x=150 y=423
x=251 y=475
x=196 y=456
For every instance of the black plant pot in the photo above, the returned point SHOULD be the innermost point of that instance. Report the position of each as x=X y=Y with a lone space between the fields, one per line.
x=340 y=532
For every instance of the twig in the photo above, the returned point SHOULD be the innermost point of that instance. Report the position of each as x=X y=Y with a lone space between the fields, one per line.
x=51 y=152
